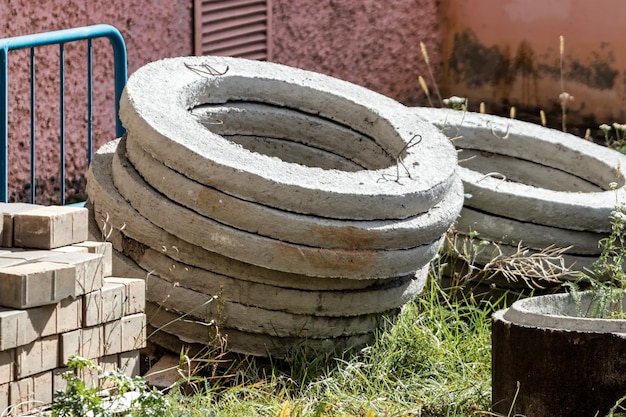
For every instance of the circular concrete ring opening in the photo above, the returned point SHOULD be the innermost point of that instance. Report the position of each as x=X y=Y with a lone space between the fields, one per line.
x=563 y=312
x=156 y=107
x=296 y=137
x=557 y=179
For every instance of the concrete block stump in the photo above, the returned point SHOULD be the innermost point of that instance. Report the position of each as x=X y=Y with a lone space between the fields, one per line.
x=549 y=360
x=60 y=302
x=307 y=215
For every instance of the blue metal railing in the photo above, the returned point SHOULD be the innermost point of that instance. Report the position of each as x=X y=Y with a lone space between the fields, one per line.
x=60 y=37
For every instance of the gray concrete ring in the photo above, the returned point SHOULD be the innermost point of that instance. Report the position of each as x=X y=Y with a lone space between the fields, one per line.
x=259 y=250
x=573 y=209
x=156 y=104
x=130 y=233
x=293 y=227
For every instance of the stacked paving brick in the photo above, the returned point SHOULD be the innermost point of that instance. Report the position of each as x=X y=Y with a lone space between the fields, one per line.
x=57 y=299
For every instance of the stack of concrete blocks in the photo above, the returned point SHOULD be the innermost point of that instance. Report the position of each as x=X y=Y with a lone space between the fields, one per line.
x=57 y=299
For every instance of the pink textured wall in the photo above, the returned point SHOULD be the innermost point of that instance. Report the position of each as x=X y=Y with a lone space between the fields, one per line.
x=152 y=30
x=368 y=42
x=373 y=43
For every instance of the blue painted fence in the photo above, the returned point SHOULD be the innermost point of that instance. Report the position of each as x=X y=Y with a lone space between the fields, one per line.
x=60 y=37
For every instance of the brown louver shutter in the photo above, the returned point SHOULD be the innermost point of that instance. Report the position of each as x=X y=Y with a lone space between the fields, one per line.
x=232 y=28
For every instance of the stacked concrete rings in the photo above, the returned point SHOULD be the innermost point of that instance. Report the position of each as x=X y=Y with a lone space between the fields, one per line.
x=309 y=206
x=531 y=185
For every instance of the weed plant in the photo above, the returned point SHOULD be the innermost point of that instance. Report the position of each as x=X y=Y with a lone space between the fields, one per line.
x=125 y=395
x=615 y=136
x=433 y=360
x=606 y=277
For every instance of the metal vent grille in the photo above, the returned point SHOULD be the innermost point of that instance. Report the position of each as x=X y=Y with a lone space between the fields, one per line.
x=232 y=28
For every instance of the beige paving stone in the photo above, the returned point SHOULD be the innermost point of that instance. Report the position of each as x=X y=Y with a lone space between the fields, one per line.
x=71 y=249
x=4 y=396
x=21 y=327
x=135 y=300
x=41 y=322
x=50 y=227
x=58 y=382
x=90 y=376
x=7 y=365
x=103 y=248
x=112 y=337
x=10 y=327
x=25 y=255
x=43 y=388
x=8 y=211
x=4 y=262
x=133 y=332
x=104 y=305
x=69 y=314
x=22 y=395
x=89 y=269
x=37 y=357
x=91 y=344
x=108 y=363
x=70 y=343
x=36 y=284
x=130 y=363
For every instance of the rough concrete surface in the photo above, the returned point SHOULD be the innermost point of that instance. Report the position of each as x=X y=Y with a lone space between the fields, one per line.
x=530 y=235
x=292 y=227
x=194 y=332
x=543 y=367
x=129 y=231
x=257 y=320
x=570 y=209
x=257 y=119
x=489 y=250
x=374 y=299
x=408 y=181
x=155 y=107
x=261 y=251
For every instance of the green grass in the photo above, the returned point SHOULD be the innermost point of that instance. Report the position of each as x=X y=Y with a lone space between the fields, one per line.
x=433 y=360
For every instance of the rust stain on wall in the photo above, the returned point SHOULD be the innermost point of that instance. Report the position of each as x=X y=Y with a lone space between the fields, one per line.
x=513 y=78
x=472 y=62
